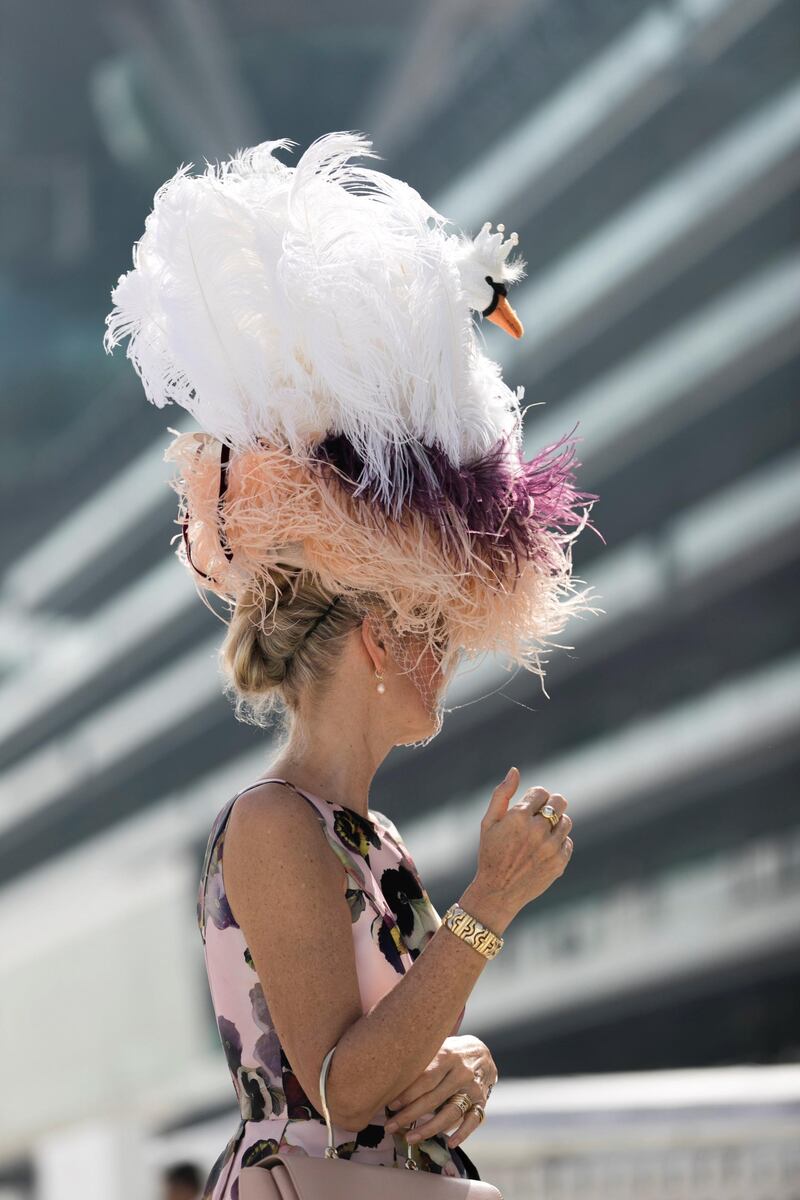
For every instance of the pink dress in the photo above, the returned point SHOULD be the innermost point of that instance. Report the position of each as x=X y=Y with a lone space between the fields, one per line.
x=393 y=919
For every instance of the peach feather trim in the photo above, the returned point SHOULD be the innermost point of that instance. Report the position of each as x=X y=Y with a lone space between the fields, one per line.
x=283 y=509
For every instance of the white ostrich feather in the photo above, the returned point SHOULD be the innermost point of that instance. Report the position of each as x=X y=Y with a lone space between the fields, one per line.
x=292 y=303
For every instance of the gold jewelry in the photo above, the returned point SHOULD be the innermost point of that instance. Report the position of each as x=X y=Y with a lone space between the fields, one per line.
x=462 y=1100
x=381 y=684
x=479 y=1109
x=548 y=811
x=470 y=929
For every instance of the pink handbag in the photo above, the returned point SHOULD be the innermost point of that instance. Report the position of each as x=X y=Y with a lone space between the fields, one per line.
x=306 y=1177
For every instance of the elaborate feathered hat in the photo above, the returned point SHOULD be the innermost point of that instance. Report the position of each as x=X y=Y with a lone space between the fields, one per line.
x=319 y=323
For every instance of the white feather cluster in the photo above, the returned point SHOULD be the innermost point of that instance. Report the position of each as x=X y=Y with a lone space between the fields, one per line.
x=291 y=303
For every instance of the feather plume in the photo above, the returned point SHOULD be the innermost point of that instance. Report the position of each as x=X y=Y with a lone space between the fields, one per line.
x=296 y=303
x=278 y=510
x=506 y=504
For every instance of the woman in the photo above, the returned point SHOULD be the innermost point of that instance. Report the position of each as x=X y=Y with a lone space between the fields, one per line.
x=359 y=497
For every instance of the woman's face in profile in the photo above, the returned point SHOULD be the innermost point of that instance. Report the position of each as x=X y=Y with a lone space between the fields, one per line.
x=424 y=697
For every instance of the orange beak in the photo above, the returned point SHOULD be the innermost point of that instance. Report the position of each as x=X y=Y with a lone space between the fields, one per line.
x=506 y=318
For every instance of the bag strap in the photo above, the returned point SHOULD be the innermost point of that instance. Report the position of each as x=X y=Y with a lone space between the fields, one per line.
x=330 y=1149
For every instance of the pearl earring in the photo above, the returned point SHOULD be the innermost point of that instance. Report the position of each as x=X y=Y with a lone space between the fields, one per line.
x=381 y=684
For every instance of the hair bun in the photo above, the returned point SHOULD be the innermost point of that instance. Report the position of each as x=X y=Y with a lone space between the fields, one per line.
x=272 y=652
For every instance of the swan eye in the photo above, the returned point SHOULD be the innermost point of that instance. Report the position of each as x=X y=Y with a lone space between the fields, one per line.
x=499 y=290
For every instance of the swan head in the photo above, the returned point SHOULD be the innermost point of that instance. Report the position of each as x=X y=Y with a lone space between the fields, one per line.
x=485 y=270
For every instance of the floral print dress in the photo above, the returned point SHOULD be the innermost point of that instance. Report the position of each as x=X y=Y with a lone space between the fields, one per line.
x=393 y=919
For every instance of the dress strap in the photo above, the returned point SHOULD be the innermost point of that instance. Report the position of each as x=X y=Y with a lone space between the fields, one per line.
x=275 y=779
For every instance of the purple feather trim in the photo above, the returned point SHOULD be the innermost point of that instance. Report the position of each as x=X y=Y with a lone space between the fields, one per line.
x=509 y=504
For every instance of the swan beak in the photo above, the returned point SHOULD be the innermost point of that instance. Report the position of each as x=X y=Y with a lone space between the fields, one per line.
x=506 y=318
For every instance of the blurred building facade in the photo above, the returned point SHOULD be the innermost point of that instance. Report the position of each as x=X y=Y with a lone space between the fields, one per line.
x=648 y=157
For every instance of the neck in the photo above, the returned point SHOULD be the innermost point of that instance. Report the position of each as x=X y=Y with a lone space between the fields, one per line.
x=336 y=760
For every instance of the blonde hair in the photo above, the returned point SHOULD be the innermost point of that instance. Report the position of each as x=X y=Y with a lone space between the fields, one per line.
x=269 y=659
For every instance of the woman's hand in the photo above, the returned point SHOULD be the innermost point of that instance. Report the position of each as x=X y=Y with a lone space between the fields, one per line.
x=463 y=1064
x=520 y=852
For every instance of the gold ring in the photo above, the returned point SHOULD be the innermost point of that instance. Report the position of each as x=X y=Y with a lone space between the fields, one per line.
x=462 y=1100
x=479 y=1109
x=548 y=811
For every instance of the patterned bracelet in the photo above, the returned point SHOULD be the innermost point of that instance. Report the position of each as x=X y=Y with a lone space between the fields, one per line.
x=471 y=930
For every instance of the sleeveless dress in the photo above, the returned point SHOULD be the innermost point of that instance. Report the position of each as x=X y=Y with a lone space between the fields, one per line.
x=392 y=920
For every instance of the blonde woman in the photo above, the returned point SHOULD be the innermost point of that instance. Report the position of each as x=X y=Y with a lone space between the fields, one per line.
x=359 y=497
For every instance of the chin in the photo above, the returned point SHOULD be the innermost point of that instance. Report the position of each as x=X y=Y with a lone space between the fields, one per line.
x=427 y=729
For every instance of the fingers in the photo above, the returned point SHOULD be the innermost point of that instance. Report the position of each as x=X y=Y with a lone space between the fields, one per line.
x=501 y=796
x=405 y=1115
x=430 y=1101
x=443 y=1120
x=439 y=1103
x=445 y=1117
x=535 y=799
x=564 y=826
x=558 y=802
x=555 y=836
x=470 y=1123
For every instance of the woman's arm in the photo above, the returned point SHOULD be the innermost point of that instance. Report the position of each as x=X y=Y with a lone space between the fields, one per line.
x=286 y=890
x=395 y=1041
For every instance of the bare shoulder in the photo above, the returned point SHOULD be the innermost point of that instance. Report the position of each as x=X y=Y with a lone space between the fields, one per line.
x=270 y=805
x=271 y=832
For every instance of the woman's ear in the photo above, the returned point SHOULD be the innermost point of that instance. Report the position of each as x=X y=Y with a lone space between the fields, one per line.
x=373 y=643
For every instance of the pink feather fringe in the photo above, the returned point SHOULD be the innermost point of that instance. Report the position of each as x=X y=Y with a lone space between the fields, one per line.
x=278 y=505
